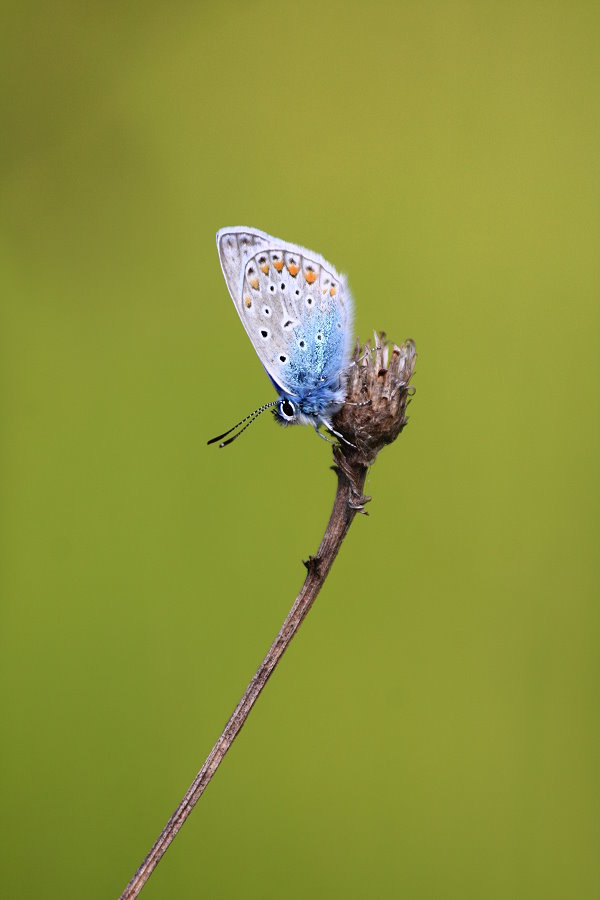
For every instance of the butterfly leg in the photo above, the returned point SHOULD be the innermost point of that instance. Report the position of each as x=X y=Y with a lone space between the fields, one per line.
x=355 y=362
x=330 y=428
x=322 y=436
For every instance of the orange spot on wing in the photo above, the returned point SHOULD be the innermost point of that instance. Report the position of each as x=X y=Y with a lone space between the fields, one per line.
x=310 y=276
x=293 y=269
x=247 y=301
x=265 y=268
x=254 y=283
x=333 y=291
x=278 y=265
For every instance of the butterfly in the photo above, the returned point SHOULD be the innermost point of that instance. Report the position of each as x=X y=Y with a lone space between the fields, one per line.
x=297 y=312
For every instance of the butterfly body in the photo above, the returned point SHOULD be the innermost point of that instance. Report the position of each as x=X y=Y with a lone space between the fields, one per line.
x=297 y=312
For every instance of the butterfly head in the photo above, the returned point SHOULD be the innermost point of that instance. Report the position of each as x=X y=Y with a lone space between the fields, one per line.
x=310 y=410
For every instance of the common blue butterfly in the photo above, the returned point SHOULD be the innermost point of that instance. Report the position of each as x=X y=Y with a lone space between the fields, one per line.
x=297 y=311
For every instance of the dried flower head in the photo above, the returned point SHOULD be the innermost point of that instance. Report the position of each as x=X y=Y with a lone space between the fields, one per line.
x=374 y=414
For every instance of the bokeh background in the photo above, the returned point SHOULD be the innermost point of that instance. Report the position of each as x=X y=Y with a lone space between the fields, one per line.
x=433 y=731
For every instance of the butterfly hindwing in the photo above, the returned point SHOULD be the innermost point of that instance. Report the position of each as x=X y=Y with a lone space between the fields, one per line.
x=294 y=306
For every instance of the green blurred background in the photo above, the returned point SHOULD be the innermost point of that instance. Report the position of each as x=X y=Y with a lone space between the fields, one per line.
x=433 y=731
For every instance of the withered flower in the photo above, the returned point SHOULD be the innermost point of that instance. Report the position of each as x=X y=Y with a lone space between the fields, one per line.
x=375 y=410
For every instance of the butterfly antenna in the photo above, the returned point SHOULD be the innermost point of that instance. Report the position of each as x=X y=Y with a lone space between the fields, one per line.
x=249 y=419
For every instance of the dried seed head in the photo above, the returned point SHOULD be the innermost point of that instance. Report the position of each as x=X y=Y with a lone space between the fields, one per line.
x=378 y=392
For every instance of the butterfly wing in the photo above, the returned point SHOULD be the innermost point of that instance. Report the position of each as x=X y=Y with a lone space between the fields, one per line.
x=295 y=307
x=235 y=247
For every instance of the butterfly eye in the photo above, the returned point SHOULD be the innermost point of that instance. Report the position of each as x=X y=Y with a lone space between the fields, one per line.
x=287 y=410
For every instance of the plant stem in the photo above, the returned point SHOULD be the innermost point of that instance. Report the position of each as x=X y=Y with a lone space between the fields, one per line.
x=351 y=473
x=378 y=390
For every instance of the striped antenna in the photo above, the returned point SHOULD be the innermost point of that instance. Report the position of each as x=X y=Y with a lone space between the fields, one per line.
x=249 y=419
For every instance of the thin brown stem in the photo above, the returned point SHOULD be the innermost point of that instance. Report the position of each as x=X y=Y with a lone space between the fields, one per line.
x=348 y=501
x=374 y=415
